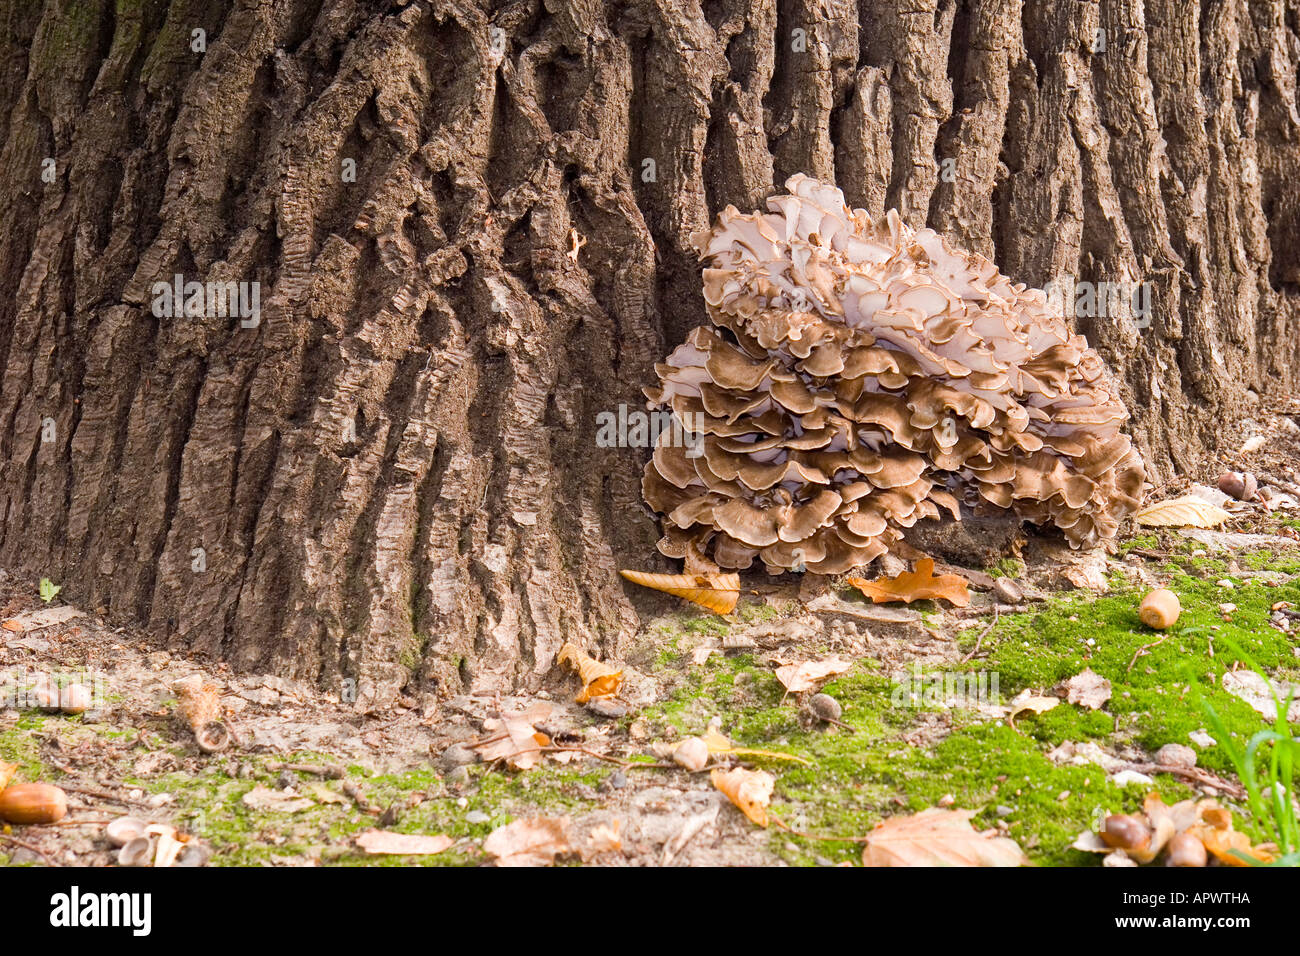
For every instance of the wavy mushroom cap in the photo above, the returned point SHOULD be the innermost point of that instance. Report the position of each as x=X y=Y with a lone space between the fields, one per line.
x=863 y=376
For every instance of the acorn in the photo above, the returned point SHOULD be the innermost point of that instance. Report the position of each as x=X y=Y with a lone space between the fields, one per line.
x=33 y=803
x=1125 y=832
x=1160 y=609
x=1186 y=849
x=1239 y=484
x=825 y=707
x=74 y=699
x=692 y=753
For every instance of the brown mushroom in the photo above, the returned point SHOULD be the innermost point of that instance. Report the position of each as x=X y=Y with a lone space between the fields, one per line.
x=861 y=376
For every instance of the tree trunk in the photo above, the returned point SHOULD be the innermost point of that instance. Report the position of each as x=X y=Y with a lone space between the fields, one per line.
x=392 y=476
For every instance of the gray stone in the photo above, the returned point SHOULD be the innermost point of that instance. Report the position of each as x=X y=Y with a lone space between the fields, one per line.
x=1176 y=755
x=609 y=709
x=457 y=755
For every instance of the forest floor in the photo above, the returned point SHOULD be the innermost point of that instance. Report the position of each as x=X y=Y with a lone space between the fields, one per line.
x=307 y=776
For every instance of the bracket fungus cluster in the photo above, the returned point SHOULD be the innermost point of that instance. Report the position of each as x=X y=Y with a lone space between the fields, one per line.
x=861 y=376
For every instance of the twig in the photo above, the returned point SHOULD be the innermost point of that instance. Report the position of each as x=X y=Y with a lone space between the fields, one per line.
x=983 y=634
x=1144 y=650
x=590 y=753
x=30 y=849
x=328 y=771
x=1195 y=774
x=102 y=795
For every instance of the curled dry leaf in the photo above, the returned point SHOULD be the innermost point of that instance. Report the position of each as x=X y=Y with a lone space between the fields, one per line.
x=1188 y=511
x=938 y=837
x=717 y=592
x=280 y=801
x=604 y=838
x=918 y=585
x=513 y=738
x=534 y=841
x=719 y=744
x=376 y=842
x=598 y=679
x=1087 y=689
x=7 y=771
x=750 y=790
x=1027 y=701
x=797 y=678
x=1214 y=829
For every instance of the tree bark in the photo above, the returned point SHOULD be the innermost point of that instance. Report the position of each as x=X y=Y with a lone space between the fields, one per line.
x=393 y=477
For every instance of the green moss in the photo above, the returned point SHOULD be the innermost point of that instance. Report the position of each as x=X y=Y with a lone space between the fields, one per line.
x=18 y=745
x=1008 y=567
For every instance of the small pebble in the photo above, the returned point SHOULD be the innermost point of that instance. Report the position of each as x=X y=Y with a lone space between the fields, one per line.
x=825 y=707
x=947 y=800
x=459 y=775
x=477 y=816
x=607 y=708
x=1008 y=591
x=457 y=755
x=617 y=780
x=1176 y=755
x=1003 y=811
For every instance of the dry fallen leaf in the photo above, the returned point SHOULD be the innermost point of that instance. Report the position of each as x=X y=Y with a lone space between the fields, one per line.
x=513 y=738
x=378 y=842
x=1224 y=845
x=42 y=617
x=797 y=678
x=1161 y=819
x=918 y=585
x=7 y=771
x=604 y=838
x=719 y=744
x=717 y=592
x=938 y=837
x=1087 y=689
x=323 y=794
x=750 y=790
x=1028 y=701
x=598 y=679
x=534 y=841
x=1187 y=511
x=281 y=801
x=1214 y=829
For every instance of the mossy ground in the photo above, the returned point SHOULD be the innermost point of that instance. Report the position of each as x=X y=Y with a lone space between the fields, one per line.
x=900 y=758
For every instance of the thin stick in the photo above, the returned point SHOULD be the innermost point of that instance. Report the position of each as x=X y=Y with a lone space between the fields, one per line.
x=983 y=634
x=102 y=795
x=30 y=849
x=1144 y=650
x=329 y=771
